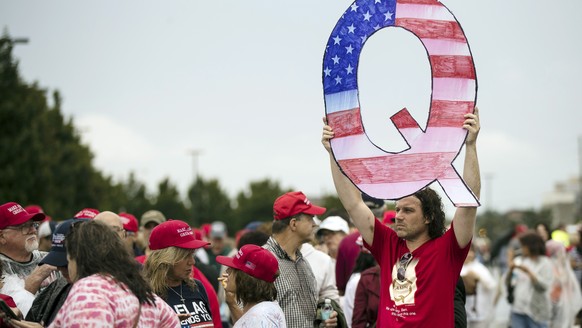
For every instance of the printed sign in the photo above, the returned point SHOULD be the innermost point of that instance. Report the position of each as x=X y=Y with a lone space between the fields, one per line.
x=430 y=152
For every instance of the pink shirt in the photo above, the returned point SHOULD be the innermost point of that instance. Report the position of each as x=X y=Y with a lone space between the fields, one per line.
x=100 y=301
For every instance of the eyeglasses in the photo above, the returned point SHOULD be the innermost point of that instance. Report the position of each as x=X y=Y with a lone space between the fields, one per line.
x=25 y=228
x=118 y=230
x=402 y=265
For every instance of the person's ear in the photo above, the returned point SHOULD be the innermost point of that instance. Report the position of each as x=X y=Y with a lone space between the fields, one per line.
x=293 y=224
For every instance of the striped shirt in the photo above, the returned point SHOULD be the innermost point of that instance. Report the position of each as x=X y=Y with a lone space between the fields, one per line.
x=296 y=290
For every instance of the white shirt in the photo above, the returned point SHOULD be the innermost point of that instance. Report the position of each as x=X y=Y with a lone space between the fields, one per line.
x=262 y=315
x=480 y=307
x=350 y=296
x=533 y=300
x=323 y=268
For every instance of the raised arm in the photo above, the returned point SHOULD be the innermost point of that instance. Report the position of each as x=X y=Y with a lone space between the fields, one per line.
x=349 y=195
x=465 y=217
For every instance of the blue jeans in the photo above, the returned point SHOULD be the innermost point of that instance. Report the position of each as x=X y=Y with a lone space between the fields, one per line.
x=523 y=321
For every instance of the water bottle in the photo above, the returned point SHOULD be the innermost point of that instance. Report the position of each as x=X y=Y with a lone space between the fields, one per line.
x=326 y=309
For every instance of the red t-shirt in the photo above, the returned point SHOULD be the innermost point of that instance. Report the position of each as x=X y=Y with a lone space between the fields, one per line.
x=348 y=252
x=425 y=297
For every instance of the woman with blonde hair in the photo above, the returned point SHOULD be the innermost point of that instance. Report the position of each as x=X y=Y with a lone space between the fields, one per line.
x=169 y=269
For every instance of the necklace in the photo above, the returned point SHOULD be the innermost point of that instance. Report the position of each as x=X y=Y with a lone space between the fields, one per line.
x=180 y=295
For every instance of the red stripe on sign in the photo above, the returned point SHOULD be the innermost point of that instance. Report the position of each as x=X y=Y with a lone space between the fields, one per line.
x=452 y=66
x=346 y=122
x=432 y=29
x=403 y=120
x=445 y=113
x=420 y=2
x=399 y=168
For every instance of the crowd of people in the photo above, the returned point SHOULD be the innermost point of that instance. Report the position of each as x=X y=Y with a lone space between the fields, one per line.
x=377 y=268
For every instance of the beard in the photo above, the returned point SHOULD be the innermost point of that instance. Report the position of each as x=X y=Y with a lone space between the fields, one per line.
x=31 y=244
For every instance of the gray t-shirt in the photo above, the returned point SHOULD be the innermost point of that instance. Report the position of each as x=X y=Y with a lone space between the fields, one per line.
x=21 y=269
x=14 y=274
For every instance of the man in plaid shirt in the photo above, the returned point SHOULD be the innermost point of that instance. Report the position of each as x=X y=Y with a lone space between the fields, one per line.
x=296 y=287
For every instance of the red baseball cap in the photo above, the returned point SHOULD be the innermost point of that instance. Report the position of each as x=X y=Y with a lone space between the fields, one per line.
x=86 y=213
x=33 y=209
x=389 y=217
x=129 y=222
x=253 y=260
x=205 y=228
x=293 y=203
x=13 y=214
x=174 y=233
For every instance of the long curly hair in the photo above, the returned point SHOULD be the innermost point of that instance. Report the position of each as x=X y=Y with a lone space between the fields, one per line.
x=432 y=208
x=99 y=250
x=159 y=264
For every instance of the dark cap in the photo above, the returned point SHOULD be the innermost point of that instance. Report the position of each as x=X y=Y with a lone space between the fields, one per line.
x=58 y=253
x=371 y=202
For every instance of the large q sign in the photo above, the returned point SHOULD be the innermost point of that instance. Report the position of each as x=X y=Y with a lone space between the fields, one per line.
x=431 y=151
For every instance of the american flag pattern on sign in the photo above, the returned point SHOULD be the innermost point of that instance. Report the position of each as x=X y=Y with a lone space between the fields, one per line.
x=431 y=151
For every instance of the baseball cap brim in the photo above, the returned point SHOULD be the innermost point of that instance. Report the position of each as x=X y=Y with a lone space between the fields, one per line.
x=145 y=222
x=56 y=258
x=29 y=217
x=192 y=244
x=314 y=210
x=228 y=261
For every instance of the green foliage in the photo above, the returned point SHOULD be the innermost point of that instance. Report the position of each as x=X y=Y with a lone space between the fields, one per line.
x=334 y=207
x=168 y=201
x=256 y=203
x=137 y=200
x=41 y=158
x=209 y=202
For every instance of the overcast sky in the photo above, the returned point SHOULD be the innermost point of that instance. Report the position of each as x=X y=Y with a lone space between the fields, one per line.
x=146 y=82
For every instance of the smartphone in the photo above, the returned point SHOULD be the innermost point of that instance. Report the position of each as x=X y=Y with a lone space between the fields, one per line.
x=6 y=309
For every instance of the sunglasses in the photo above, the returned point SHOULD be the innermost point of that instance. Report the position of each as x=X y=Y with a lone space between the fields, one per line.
x=402 y=265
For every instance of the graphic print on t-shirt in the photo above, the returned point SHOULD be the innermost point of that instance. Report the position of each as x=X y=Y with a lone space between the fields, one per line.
x=195 y=304
x=199 y=315
x=403 y=291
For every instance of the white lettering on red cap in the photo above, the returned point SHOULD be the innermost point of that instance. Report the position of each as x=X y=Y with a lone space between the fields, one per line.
x=239 y=254
x=307 y=202
x=185 y=231
x=15 y=209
